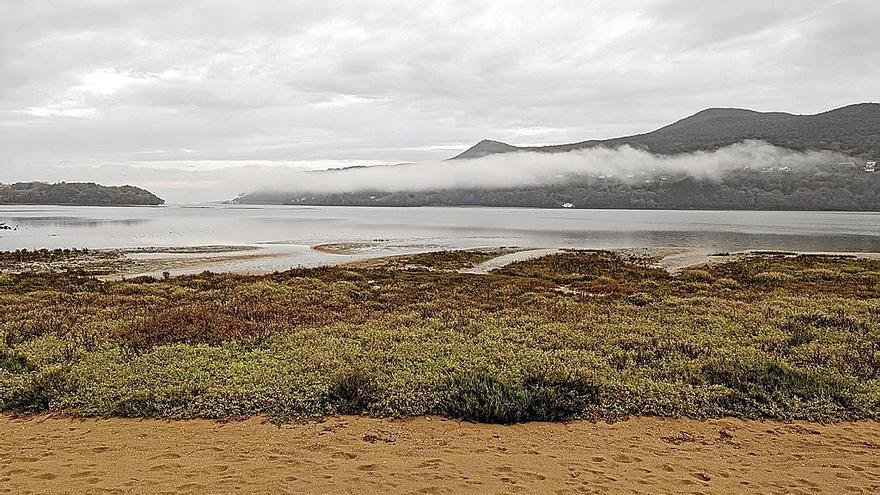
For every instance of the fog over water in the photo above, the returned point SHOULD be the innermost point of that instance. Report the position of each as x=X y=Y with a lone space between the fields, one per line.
x=531 y=168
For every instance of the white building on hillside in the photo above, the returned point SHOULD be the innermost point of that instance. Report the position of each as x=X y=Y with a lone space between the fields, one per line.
x=870 y=166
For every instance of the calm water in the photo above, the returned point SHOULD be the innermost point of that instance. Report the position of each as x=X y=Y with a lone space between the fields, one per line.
x=401 y=229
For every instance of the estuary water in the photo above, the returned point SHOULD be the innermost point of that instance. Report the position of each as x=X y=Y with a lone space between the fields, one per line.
x=293 y=230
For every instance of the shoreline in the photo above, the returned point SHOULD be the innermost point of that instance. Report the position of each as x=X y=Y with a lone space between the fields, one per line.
x=518 y=207
x=671 y=259
x=267 y=258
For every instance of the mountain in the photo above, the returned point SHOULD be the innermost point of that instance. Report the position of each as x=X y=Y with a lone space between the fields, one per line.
x=853 y=130
x=76 y=193
x=487 y=147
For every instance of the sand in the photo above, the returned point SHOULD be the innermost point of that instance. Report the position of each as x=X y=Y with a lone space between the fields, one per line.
x=509 y=258
x=434 y=455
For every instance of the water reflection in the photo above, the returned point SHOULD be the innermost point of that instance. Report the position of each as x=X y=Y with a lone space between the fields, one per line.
x=60 y=221
x=715 y=231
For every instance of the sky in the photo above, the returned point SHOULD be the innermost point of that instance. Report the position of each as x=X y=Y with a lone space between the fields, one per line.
x=199 y=101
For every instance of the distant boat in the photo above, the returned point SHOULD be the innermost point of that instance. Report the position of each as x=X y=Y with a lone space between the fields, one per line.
x=567 y=205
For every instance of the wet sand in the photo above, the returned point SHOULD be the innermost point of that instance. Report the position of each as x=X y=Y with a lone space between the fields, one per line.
x=115 y=264
x=506 y=259
x=436 y=455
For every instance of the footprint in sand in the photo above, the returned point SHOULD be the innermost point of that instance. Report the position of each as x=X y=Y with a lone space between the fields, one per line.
x=112 y=491
x=701 y=476
x=165 y=455
x=430 y=464
x=806 y=482
x=344 y=455
x=191 y=487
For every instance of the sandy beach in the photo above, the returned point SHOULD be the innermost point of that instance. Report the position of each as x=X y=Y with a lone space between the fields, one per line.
x=436 y=455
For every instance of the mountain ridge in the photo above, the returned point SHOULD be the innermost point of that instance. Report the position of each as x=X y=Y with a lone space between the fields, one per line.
x=851 y=129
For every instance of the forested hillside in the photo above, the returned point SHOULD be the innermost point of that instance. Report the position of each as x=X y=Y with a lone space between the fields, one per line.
x=75 y=193
x=843 y=187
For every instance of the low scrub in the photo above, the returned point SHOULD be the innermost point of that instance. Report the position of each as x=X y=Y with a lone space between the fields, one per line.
x=574 y=335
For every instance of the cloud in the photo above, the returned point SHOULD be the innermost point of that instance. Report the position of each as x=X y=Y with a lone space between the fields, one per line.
x=529 y=169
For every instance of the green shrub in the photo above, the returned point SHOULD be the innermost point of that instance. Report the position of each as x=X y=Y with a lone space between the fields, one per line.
x=352 y=392
x=33 y=391
x=485 y=397
x=772 y=277
x=639 y=299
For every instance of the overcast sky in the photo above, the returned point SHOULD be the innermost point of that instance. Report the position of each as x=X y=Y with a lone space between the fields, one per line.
x=187 y=98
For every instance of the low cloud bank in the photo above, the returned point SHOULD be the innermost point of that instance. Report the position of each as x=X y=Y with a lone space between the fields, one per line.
x=530 y=168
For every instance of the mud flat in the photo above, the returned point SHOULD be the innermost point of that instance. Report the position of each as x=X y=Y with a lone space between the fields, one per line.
x=508 y=258
x=346 y=247
x=435 y=455
x=114 y=264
